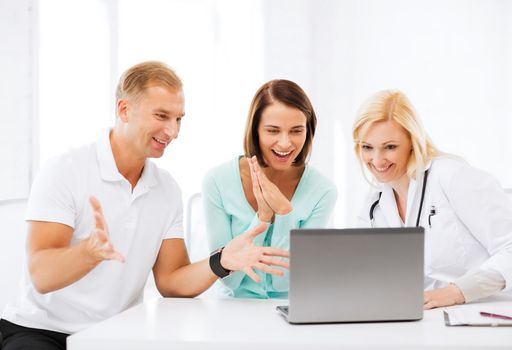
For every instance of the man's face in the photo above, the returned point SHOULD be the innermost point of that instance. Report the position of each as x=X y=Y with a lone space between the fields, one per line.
x=153 y=120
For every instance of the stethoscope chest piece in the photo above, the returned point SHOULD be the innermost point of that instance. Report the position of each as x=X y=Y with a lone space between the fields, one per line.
x=431 y=213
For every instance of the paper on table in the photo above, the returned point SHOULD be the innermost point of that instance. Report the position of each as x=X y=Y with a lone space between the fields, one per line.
x=469 y=314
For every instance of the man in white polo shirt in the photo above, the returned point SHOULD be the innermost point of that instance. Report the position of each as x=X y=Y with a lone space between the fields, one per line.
x=89 y=261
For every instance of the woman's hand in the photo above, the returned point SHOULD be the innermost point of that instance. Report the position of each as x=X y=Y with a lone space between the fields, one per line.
x=270 y=193
x=265 y=212
x=440 y=297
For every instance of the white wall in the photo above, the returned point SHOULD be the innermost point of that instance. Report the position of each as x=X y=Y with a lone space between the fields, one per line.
x=452 y=58
x=15 y=98
x=76 y=88
x=17 y=21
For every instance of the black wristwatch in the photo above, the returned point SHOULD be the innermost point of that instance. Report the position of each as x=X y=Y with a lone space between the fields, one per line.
x=215 y=265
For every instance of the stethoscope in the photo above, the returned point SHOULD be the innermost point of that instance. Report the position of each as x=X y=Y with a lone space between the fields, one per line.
x=432 y=208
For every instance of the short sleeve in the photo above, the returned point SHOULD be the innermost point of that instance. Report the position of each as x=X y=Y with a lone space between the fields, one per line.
x=175 y=227
x=51 y=197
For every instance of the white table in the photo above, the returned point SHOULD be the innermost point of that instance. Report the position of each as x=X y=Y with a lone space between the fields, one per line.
x=174 y=323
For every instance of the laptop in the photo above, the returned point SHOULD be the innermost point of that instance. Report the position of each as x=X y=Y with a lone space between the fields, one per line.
x=355 y=275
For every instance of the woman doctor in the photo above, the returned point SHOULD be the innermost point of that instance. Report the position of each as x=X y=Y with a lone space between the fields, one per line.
x=466 y=214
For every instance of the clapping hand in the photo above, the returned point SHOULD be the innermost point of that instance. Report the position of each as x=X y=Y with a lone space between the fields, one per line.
x=271 y=198
x=98 y=246
x=241 y=254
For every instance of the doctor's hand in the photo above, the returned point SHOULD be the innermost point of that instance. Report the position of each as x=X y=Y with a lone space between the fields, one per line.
x=241 y=254
x=98 y=246
x=440 y=297
x=270 y=192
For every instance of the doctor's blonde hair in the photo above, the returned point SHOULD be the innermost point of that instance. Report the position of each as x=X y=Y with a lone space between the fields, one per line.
x=394 y=105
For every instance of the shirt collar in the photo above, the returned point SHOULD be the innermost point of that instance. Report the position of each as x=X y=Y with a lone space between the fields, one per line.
x=108 y=167
x=106 y=161
x=148 y=178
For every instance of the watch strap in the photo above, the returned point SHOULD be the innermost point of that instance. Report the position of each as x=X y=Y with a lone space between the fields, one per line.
x=216 y=266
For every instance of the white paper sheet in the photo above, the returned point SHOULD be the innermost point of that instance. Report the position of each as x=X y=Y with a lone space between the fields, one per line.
x=469 y=314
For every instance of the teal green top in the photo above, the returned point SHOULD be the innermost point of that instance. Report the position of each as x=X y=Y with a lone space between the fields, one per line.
x=228 y=214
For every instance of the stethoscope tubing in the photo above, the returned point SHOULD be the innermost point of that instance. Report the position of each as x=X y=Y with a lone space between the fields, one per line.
x=374 y=204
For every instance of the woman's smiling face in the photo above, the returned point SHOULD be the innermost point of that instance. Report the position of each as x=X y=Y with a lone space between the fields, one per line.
x=282 y=134
x=385 y=149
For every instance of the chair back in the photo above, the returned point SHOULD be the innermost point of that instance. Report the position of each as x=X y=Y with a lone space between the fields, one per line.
x=196 y=238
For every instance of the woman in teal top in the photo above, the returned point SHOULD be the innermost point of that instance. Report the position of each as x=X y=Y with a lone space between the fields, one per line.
x=272 y=183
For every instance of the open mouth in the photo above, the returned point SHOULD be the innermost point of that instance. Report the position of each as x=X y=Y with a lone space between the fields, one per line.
x=283 y=156
x=160 y=141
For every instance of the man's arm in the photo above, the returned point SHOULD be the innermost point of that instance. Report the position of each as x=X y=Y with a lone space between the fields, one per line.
x=54 y=264
x=176 y=277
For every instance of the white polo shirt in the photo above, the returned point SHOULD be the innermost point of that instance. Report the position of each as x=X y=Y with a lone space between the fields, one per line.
x=138 y=221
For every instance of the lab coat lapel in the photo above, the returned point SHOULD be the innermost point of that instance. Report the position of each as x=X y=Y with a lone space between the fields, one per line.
x=413 y=198
x=389 y=208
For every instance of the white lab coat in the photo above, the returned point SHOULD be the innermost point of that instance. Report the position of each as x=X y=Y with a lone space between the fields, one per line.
x=472 y=227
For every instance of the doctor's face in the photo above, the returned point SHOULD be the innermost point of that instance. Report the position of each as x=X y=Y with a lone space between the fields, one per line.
x=386 y=148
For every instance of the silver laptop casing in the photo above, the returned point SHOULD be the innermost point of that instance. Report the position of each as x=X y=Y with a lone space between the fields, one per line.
x=356 y=275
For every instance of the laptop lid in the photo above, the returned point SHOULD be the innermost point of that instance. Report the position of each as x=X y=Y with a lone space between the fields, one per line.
x=356 y=275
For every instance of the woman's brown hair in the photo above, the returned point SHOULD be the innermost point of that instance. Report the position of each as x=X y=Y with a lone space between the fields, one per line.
x=289 y=94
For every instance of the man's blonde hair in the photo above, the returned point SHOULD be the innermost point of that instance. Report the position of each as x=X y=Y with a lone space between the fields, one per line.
x=136 y=79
